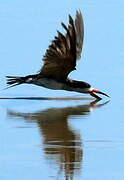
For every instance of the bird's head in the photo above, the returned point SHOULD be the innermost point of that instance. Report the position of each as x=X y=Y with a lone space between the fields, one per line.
x=84 y=87
x=93 y=93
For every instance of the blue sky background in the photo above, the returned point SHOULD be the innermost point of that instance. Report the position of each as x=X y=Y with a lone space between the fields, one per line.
x=27 y=27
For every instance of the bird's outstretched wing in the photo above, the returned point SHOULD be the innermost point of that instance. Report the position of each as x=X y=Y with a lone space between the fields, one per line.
x=60 y=58
x=79 y=28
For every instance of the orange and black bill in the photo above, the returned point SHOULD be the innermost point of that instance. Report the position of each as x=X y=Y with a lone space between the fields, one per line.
x=93 y=91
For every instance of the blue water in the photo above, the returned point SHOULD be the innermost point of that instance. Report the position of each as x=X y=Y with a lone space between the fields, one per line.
x=57 y=134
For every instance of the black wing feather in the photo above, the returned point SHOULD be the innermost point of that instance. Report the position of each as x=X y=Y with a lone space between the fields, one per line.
x=60 y=57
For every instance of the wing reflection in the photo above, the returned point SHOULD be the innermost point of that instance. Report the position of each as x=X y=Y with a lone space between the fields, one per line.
x=62 y=145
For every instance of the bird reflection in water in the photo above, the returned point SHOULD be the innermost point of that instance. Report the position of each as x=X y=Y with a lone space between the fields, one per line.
x=61 y=144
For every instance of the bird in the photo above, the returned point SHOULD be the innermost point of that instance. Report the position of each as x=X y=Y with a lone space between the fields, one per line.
x=60 y=60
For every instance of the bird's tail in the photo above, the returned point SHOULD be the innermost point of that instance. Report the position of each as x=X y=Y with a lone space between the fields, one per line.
x=14 y=81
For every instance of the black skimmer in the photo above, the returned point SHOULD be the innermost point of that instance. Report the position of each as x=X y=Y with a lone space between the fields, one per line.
x=59 y=60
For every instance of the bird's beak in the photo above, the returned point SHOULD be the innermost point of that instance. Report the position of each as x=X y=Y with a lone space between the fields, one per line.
x=97 y=91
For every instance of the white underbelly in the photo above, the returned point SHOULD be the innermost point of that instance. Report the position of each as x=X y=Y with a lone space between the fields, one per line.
x=49 y=83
